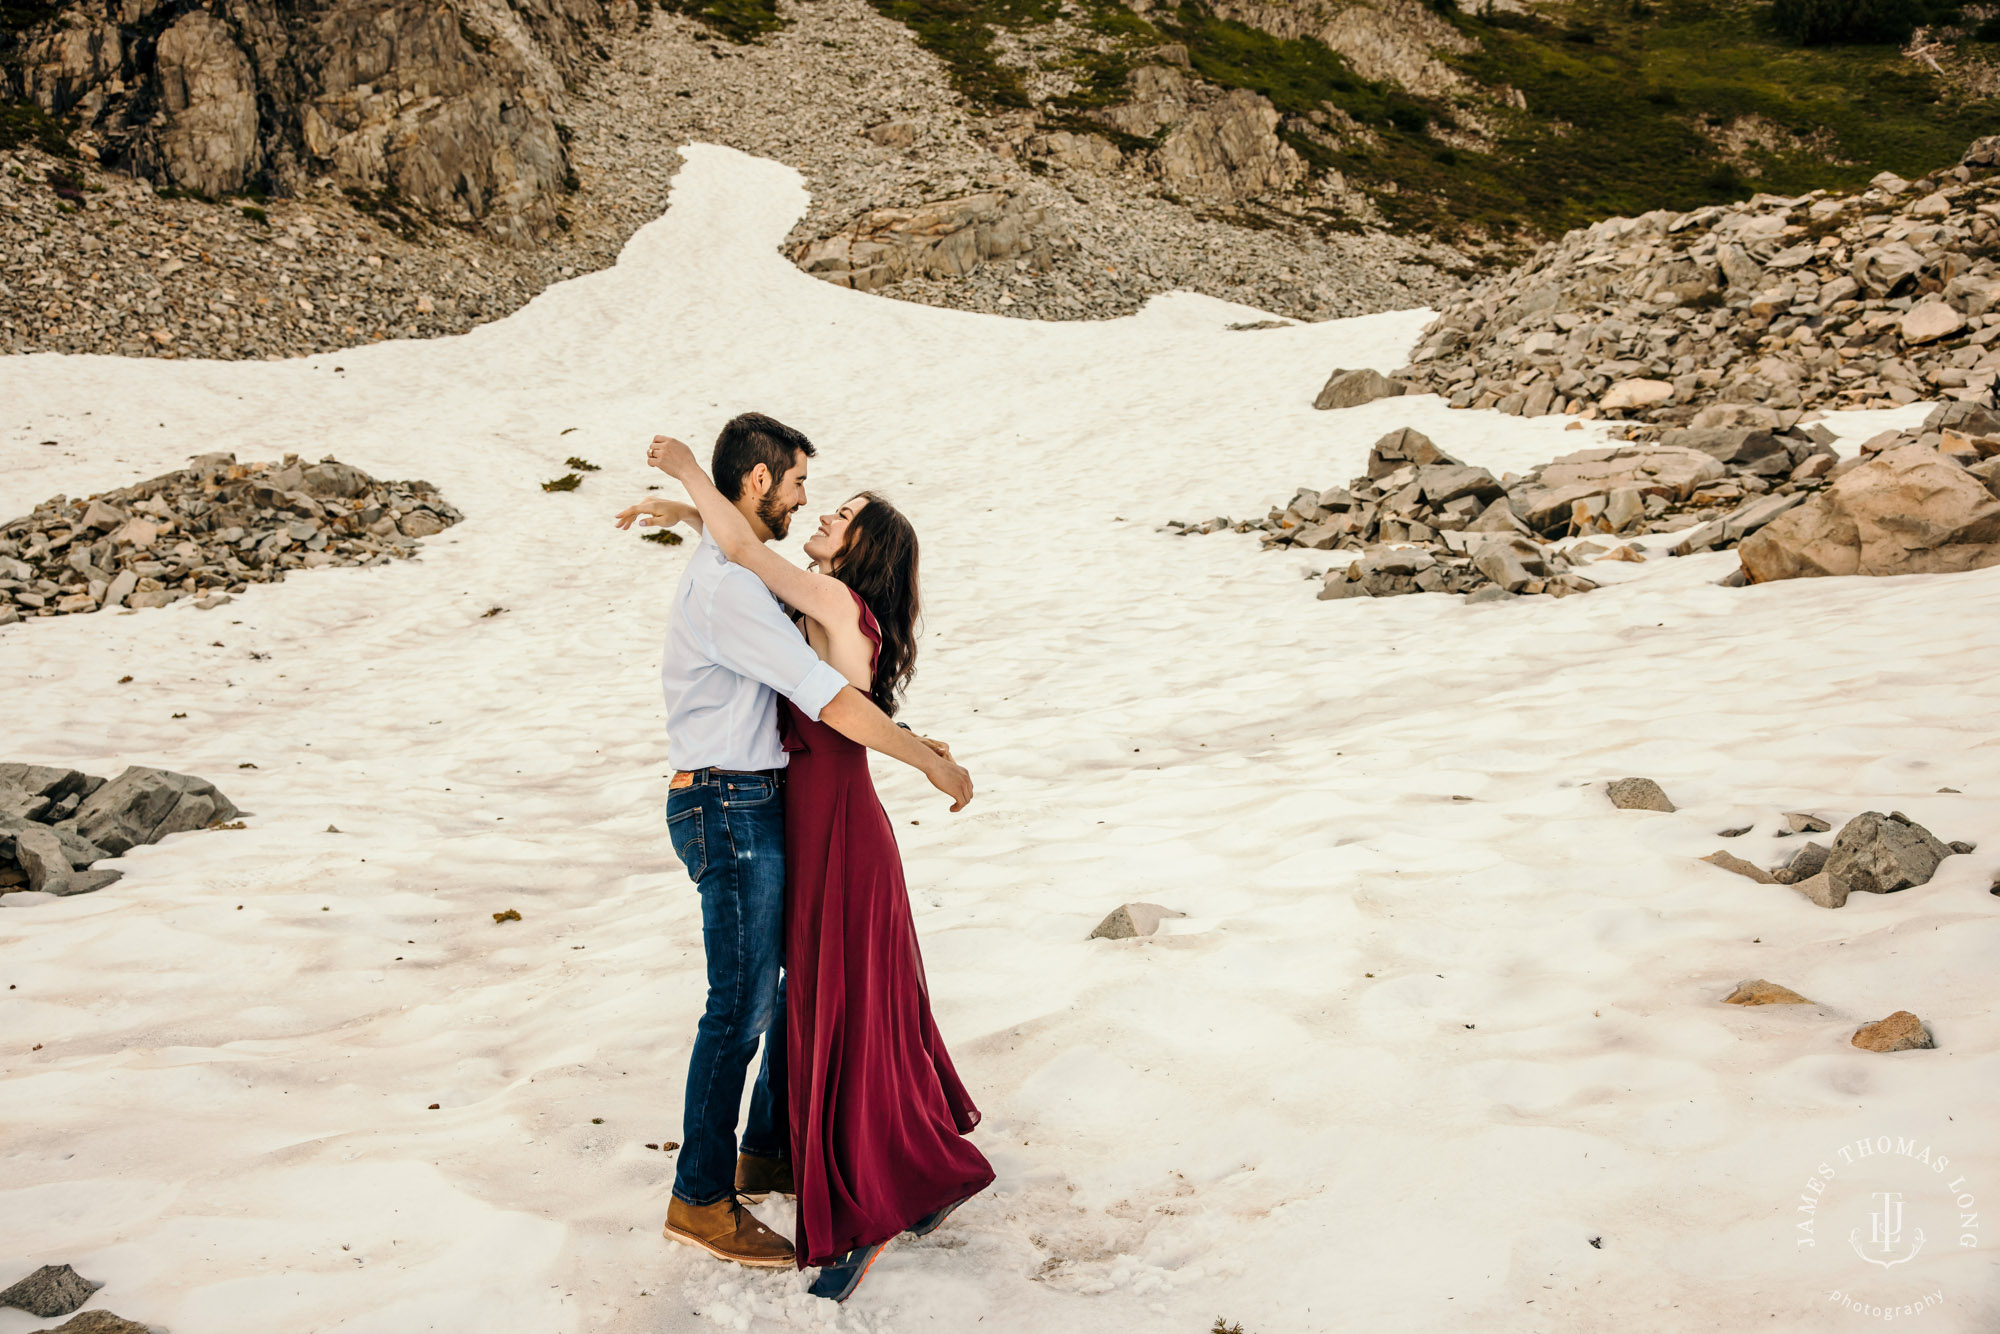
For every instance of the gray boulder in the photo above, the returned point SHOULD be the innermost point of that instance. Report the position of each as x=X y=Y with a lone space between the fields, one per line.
x=1444 y=483
x=1401 y=447
x=1638 y=794
x=1807 y=862
x=89 y=882
x=51 y=1290
x=49 y=781
x=1823 y=889
x=1511 y=562
x=21 y=803
x=77 y=850
x=1880 y=854
x=1742 y=446
x=1350 y=389
x=329 y=478
x=145 y=805
x=39 y=854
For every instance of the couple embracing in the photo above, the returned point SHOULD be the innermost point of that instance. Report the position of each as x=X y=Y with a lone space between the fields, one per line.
x=856 y=1111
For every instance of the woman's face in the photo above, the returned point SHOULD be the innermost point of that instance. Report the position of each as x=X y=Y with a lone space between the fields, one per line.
x=831 y=536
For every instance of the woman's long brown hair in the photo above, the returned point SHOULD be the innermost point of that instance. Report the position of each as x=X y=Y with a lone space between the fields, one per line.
x=878 y=560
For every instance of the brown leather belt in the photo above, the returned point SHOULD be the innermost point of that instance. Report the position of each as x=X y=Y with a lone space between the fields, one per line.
x=689 y=777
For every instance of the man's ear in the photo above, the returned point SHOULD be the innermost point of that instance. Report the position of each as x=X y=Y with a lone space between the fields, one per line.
x=757 y=484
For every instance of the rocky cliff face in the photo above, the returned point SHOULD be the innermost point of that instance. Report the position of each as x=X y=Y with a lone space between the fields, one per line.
x=450 y=109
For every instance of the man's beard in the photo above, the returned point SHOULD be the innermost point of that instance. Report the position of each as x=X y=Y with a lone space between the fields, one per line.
x=776 y=517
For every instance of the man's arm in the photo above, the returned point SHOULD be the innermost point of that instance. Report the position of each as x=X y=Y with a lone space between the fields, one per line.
x=752 y=638
x=854 y=716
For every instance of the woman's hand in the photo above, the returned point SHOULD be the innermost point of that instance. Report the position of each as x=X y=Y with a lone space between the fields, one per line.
x=671 y=457
x=654 y=513
x=936 y=746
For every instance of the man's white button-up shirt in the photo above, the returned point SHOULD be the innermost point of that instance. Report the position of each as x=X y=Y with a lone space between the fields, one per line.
x=731 y=651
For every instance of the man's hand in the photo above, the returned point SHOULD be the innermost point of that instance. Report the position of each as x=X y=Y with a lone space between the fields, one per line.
x=949 y=777
x=670 y=456
x=854 y=716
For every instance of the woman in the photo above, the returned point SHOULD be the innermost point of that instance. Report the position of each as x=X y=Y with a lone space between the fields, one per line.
x=878 y=1115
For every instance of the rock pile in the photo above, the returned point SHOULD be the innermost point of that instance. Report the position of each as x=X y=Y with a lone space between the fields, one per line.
x=1835 y=301
x=55 y=823
x=1916 y=502
x=946 y=238
x=1873 y=854
x=1423 y=523
x=212 y=528
x=1427 y=523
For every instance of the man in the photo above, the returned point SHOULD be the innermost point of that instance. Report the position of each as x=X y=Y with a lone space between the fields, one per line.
x=731 y=651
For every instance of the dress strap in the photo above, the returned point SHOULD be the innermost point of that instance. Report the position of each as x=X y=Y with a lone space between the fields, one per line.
x=869 y=627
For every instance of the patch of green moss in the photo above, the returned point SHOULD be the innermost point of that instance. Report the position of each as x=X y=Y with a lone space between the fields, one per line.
x=960 y=33
x=741 y=21
x=23 y=124
x=1642 y=102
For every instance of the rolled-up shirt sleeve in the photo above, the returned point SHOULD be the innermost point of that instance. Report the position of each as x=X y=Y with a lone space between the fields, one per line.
x=752 y=638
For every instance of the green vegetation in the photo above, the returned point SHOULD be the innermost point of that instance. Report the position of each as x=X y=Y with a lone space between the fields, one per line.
x=581 y=465
x=1630 y=121
x=738 y=20
x=25 y=125
x=960 y=33
x=569 y=481
x=664 y=537
x=1826 y=22
x=1630 y=104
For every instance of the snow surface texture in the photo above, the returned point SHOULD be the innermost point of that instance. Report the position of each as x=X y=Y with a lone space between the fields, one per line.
x=227 y=1118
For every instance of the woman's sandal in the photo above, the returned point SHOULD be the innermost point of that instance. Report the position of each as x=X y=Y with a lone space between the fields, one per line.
x=837 y=1281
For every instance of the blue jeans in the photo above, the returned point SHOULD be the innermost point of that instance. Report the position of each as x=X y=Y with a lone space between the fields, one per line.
x=729 y=831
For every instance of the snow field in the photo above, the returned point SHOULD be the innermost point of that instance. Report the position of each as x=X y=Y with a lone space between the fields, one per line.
x=228 y=1116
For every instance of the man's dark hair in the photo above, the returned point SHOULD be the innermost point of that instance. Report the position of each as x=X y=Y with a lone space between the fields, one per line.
x=751 y=439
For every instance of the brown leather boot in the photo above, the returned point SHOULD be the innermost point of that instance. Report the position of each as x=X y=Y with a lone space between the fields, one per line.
x=727 y=1231
x=758 y=1176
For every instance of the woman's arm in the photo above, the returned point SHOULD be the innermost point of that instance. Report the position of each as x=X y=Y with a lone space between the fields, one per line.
x=819 y=596
x=660 y=514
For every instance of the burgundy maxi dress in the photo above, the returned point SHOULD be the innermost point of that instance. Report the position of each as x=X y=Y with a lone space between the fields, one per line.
x=878 y=1115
